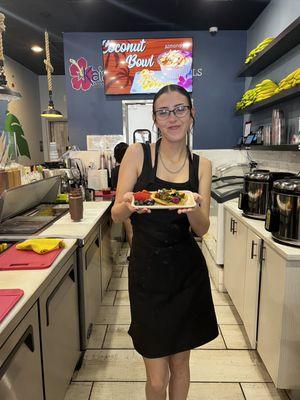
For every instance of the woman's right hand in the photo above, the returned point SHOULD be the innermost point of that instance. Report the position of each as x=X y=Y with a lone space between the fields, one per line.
x=127 y=199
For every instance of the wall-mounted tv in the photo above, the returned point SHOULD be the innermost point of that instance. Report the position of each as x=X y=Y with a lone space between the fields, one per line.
x=138 y=66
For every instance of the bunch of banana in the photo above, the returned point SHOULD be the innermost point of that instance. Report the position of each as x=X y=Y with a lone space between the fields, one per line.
x=261 y=91
x=3 y=246
x=291 y=80
x=265 y=89
x=248 y=98
x=253 y=53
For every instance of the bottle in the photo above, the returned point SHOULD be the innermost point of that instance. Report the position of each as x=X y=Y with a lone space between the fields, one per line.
x=76 y=205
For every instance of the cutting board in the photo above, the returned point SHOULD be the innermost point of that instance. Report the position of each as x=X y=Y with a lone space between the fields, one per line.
x=14 y=259
x=8 y=299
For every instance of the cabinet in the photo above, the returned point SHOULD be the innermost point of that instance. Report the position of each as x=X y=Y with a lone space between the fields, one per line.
x=234 y=260
x=106 y=252
x=251 y=286
x=279 y=319
x=20 y=361
x=60 y=330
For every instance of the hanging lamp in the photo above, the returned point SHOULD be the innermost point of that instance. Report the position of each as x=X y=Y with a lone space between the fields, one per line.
x=50 y=112
x=5 y=92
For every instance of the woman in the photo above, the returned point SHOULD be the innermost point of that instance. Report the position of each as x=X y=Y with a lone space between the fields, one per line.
x=169 y=289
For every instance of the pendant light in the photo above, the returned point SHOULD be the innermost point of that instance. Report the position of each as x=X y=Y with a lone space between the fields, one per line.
x=50 y=112
x=5 y=92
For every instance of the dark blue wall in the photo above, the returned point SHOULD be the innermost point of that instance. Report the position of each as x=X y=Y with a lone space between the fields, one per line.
x=215 y=92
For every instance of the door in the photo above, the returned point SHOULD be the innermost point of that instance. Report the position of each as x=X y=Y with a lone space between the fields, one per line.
x=252 y=281
x=235 y=260
x=58 y=133
x=92 y=284
x=20 y=361
x=60 y=330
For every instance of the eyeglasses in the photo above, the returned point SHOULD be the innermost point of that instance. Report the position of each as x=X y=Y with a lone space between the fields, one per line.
x=179 y=111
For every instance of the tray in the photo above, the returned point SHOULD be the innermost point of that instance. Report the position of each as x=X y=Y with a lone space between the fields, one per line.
x=14 y=259
x=8 y=299
x=190 y=203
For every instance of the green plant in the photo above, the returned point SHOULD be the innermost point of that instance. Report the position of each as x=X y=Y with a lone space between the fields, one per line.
x=13 y=125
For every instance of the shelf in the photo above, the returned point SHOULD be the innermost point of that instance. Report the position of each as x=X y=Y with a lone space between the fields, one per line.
x=271 y=101
x=281 y=147
x=284 y=42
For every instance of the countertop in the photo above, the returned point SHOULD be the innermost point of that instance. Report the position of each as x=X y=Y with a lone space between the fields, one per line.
x=288 y=252
x=66 y=228
x=32 y=282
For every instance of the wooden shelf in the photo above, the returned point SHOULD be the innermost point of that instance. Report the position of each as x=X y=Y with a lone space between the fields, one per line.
x=281 y=147
x=284 y=42
x=285 y=95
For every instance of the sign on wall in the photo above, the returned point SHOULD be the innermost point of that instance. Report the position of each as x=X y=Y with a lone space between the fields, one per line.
x=134 y=66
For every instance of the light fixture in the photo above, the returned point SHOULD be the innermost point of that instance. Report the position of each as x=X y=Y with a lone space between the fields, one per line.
x=50 y=112
x=5 y=92
x=36 y=49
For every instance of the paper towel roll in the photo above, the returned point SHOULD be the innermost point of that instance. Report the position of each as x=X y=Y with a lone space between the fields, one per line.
x=97 y=179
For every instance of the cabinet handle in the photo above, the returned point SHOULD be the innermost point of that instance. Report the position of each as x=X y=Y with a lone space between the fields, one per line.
x=253 y=244
x=26 y=338
x=262 y=253
x=231 y=222
x=234 y=226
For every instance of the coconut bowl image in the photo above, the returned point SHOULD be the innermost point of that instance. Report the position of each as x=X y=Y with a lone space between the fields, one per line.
x=175 y=63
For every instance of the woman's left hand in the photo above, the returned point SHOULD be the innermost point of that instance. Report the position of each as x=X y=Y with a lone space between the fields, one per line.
x=198 y=199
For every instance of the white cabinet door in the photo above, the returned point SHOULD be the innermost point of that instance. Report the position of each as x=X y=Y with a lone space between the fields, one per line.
x=251 y=291
x=235 y=260
x=271 y=310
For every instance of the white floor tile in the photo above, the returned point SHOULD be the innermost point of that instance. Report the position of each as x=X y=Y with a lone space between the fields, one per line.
x=79 y=391
x=122 y=298
x=113 y=315
x=118 y=284
x=227 y=366
x=97 y=337
x=111 y=365
x=262 y=391
x=221 y=299
x=217 y=343
x=227 y=315
x=215 y=391
x=118 y=391
x=235 y=336
x=108 y=299
x=117 y=337
x=125 y=272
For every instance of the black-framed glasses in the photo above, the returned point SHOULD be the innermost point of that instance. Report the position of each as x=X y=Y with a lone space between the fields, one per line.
x=179 y=111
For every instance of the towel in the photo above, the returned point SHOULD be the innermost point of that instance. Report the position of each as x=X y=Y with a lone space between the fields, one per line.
x=41 y=246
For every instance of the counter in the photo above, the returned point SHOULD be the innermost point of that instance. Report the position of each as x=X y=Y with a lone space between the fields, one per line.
x=287 y=252
x=33 y=283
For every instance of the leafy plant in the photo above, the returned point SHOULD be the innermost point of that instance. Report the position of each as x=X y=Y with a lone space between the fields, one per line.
x=13 y=125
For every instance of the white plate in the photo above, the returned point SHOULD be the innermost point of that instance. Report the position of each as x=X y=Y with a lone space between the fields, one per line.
x=190 y=203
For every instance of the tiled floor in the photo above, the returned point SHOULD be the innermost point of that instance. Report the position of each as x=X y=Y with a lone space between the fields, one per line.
x=224 y=369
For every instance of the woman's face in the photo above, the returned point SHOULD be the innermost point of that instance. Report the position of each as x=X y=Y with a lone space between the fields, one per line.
x=173 y=127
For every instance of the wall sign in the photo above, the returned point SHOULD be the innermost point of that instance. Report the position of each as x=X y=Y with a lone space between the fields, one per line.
x=84 y=76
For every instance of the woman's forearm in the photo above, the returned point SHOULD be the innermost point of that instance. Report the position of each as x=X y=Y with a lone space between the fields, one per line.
x=120 y=212
x=199 y=221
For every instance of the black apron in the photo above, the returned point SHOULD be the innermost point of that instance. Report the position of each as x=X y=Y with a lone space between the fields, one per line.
x=169 y=288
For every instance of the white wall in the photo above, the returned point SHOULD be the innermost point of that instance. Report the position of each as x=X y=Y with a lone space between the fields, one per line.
x=27 y=109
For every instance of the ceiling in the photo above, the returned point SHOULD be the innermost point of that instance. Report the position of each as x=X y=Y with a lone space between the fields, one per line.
x=26 y=21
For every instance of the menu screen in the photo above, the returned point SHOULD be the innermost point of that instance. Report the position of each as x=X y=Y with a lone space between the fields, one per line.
x=133 y=66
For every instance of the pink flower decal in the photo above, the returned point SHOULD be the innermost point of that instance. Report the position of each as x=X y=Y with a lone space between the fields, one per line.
x=81 y=74
x=185 y=83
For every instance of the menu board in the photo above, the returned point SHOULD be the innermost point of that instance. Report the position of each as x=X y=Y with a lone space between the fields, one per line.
x=133 y=66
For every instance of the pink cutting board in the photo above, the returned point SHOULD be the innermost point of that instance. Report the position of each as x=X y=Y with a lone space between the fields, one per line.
x=14 y=259
x=8 y=299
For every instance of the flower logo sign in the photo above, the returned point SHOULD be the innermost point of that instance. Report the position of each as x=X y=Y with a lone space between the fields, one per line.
x=84 y=76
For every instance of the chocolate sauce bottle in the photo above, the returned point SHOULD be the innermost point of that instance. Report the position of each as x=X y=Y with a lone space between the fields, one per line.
x=76 y=205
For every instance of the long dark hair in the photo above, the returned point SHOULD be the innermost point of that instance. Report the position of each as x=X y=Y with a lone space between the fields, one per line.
x=173 y=88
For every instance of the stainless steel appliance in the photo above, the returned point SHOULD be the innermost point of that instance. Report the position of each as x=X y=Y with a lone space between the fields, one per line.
x=283 y=214
x=223 y=189
x=256 y=192
x=27 y=209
